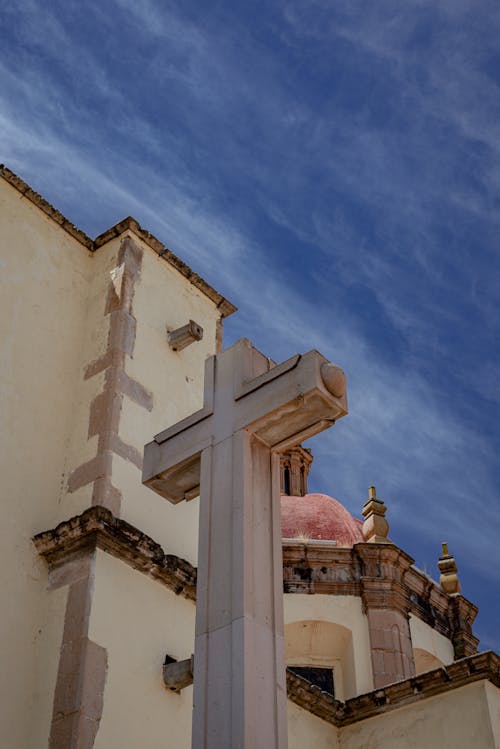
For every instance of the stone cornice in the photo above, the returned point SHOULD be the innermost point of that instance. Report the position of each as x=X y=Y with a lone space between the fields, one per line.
x=317 y=567
x=381 y=574
x=97 y=527
x=320 y=567
x=225 y=307
x=478 y=667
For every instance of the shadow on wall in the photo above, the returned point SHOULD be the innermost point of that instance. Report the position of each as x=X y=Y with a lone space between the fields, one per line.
x=425 y=661
x=317 y=644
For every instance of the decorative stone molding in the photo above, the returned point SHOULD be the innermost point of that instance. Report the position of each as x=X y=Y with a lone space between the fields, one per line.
x=379 y=573
x=462 y=614
x=313 y=567
x=383 y=569
x=482 y=666
x=97 y=527
x=320 y=567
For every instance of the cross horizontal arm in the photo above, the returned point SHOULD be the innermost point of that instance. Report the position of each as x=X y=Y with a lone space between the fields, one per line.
x=284 y=403
x=296 y=400
x=172 y=468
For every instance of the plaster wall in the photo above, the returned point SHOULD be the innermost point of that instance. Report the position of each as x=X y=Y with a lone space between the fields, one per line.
x=427 y=642
x=163 y=298
x=145 y=622
x=460 y=718
x=493 y=699
x=345 y=611
x=307 y=730
x=43 y=301
x=83 y=448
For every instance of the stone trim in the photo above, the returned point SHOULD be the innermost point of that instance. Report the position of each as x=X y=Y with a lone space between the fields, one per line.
x=97 y=527
x=382 y=574
x=225 y=307
x=462 y=614
x=105 y=409
x=65 y=546
x=100 y=527
x=81 y=676
x=478 y=667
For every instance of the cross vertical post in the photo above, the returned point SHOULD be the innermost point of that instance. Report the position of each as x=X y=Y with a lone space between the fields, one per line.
x=229 y=453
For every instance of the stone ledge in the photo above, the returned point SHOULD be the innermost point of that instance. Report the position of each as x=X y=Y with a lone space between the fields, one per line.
x=98 y=527
x=224 y=305
x=478 y=667
x=324 y=568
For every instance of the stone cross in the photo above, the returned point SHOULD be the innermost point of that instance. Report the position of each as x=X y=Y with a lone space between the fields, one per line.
x=229 y=453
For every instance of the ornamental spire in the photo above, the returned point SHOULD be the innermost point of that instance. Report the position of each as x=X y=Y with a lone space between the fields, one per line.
x=449 y=572
x=375 y=527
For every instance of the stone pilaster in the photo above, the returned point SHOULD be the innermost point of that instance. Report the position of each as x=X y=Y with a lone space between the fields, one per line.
x=386 y=604
x=462 y=615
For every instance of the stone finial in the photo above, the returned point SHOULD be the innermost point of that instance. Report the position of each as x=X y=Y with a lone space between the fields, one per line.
x=449 y=573
x=375 y=527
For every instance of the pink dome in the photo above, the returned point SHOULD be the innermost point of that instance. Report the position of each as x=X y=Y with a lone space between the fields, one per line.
x=318 y=516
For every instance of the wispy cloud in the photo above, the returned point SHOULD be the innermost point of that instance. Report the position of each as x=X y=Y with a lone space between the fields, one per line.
x=332 y=168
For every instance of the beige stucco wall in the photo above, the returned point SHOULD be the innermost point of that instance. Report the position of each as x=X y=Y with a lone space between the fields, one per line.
x=52 y=325
x=44 y=275
x=459 y=719
x=354 y=662
x=431 y=649
x=493 y=698
x=163 y=298
x=144 y=623
x=94 y=342
x=306 y=730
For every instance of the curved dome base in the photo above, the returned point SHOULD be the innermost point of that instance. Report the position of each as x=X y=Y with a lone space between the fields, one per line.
x=319 y=517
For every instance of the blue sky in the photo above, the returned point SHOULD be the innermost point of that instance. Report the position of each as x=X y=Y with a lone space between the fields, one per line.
x=334 y=169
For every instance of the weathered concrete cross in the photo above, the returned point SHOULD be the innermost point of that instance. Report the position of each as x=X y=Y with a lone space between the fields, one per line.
x=252 y=410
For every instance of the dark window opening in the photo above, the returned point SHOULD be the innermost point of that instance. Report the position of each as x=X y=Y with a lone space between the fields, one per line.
x=321 y=677
x=286 y=481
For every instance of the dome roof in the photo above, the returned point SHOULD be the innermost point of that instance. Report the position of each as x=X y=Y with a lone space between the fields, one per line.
x=318 y=516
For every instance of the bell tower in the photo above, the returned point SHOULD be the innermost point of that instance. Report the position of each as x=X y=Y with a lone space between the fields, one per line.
x=294 y=466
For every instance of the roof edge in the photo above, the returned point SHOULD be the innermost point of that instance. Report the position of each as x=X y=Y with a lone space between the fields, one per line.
x=481 y=666
x=225 y=307
x=34 y=197
x=131 y=224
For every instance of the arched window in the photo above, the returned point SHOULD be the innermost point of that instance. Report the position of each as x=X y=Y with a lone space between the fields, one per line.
x=322 y=652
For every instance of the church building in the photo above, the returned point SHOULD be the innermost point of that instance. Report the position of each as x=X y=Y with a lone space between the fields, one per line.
x=106 y=346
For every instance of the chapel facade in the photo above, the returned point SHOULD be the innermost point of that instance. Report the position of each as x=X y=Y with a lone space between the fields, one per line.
x=104 y=345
